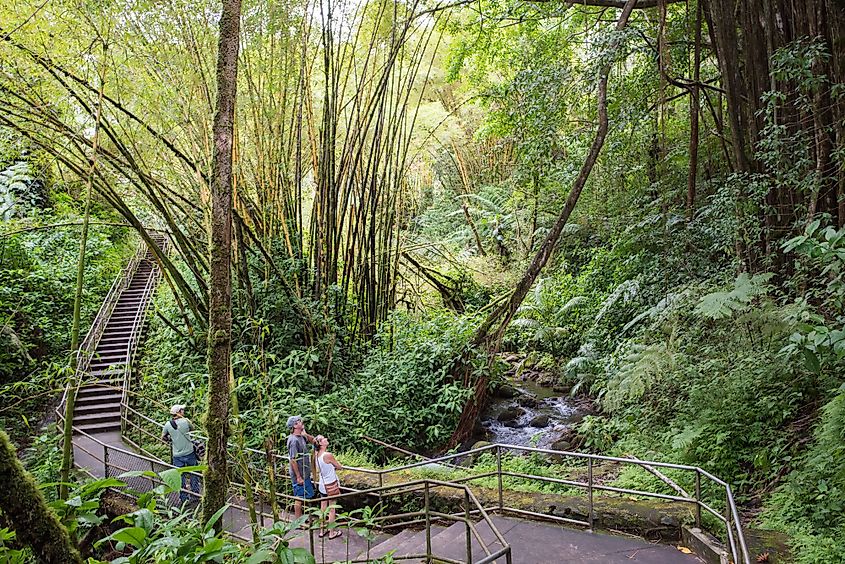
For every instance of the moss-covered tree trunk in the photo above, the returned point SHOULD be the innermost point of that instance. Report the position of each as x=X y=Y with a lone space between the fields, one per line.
x=25 y=508
x=220 y=302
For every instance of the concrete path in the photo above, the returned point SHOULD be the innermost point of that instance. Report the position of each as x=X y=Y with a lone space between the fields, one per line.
x=531 y=542
x=543 y=543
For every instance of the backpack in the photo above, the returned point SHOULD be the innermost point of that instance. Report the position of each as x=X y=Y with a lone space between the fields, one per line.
x=199 y=446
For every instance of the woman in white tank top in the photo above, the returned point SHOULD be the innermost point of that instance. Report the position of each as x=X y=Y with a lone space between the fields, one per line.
x=329 y=484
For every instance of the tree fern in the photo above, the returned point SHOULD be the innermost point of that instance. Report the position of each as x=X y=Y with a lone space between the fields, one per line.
x=721 y=305
x=625 y=291
x=638 y=370
x=659 y=311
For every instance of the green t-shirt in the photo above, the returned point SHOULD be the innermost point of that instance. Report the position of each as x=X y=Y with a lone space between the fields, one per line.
x=182 y=445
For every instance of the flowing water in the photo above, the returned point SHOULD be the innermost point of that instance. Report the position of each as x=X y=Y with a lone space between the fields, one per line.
x=534 y=401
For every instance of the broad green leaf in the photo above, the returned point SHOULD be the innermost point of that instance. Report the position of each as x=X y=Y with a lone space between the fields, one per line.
x=811 y=361
x=130 y=535
x=261 y=555
x=172 y=477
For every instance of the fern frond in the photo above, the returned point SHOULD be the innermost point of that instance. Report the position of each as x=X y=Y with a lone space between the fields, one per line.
x=525 y=323
x=625 y=291
x=721 y=305
x=571 y=304
x=639 y=369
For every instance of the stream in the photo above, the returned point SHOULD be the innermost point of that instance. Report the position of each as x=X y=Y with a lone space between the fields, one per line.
x=533 y=416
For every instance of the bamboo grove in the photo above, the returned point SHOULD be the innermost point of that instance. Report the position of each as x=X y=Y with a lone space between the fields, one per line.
x=328 y=99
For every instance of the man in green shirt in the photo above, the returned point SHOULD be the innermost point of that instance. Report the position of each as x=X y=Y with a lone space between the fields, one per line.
x=176 y=432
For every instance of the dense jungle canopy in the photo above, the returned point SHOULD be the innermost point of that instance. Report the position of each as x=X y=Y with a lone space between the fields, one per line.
x=382 y=212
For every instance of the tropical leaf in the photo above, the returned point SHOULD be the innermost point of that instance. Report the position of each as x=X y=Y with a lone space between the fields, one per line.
x=625 y=291
x=721 y=305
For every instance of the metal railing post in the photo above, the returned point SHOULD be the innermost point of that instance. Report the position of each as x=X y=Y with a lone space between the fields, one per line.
x=698 y=498
x=428 y=555
x=591 y=516
x=105 y=461
x=499 y=474
x=728 y=525
x=468 y=533
x=305 y=508
x=727 y=510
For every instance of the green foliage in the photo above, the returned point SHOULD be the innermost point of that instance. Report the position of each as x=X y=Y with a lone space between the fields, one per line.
x=639 y=367
x=20 y=192
x=812 y=502
x=405 y=393
x=43 y=459
x=821 y=256
x=80 y=511
x=722 y=305
x=600 y=433
x=37 y=282
x=10 y=554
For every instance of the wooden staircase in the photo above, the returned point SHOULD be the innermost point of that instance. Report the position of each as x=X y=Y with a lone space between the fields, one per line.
x=97 y=408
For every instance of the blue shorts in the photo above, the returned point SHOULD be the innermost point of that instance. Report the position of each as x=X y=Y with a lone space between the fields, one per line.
x=306 y=490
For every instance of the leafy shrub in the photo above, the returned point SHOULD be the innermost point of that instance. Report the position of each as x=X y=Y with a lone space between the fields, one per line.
x=405 y=392
x=37 y=285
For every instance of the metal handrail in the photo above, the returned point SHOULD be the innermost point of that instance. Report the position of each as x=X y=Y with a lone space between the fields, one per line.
x=735 y=540
x=86 y=350
x=137 y=325
x=736 y=537
x=382 y=492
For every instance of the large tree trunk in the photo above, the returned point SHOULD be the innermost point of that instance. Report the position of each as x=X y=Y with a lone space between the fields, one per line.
x=694 y=108
x=745 y=35
x=501 y=317
x=23 y=504
x=220 y=297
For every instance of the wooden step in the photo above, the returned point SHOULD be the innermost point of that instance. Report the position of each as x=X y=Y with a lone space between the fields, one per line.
x=113 y=343
x=109 y=359
x=126 y=308
x=100 y=372
x=114 y=337
x=119 y=326
x=111 y=347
